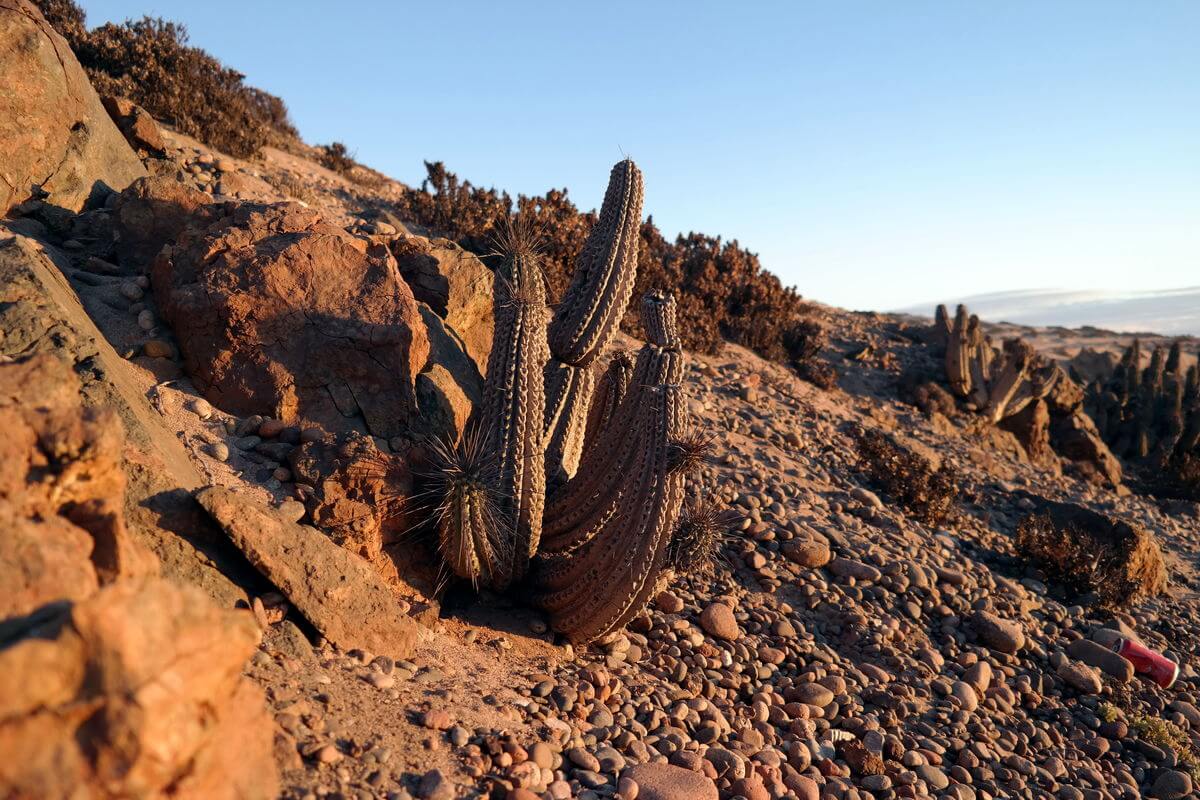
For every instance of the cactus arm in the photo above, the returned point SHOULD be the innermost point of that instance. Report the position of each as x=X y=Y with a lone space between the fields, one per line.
x=610 y=391
x=958 y=370
x=591 y=310
x=514 y=406
x=569 y=391
x=1014 y=372
x=941 y=325
x=588 y=317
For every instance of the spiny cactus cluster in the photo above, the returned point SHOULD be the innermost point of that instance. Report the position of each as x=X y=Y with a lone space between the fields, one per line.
x=1150 y=413
x=580 y=479
x=997 y=383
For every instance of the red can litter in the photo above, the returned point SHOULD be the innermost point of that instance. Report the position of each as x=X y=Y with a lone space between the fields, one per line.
x=1151 y=663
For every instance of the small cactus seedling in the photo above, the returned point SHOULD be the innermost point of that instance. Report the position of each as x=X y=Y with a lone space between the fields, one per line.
x=603 y=527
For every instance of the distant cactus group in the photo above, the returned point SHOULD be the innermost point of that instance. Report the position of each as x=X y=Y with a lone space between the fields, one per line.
x=1030 y=395
x=580 y=479
x=1150 y=413
x=998 y=384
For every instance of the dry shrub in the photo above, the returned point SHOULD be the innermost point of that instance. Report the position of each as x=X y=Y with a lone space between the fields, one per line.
x=721 y=290
x=150 y=62
x=908 y=477
x=1178 y=476
x=1089 y=552
x=336 y=157
x=292 y=186
x=919 y=387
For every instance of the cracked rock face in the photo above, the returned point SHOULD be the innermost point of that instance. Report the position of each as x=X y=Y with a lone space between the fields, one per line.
x=278 y=312
x=55 y=136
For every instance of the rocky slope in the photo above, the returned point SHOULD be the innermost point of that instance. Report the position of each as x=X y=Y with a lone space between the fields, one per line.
x=219 y=581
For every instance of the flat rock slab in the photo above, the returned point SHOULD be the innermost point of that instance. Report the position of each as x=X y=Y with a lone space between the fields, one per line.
x=341 y=595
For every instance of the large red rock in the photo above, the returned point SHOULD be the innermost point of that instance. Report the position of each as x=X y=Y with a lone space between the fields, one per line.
x=55 y=136
x=62 y=491
x=136 y=691
x=278 y=312
x=335 y=590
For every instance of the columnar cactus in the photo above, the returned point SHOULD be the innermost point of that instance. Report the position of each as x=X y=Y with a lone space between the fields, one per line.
x=589 y=315
x=999 y=385
x=472 y=534
x=603 y=538
x=514 y=401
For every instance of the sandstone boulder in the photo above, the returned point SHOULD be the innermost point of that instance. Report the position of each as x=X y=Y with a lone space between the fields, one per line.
x=456 y=285
x=280 y=313
x=339 y=593
x=134 y=692
x=150 y=213
x=42 y=313
x=450 y=386
x=61 y=491
x=56 y=139
x=136 y=125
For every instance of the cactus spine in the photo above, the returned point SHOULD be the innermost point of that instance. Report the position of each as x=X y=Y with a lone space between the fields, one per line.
x=589 y=315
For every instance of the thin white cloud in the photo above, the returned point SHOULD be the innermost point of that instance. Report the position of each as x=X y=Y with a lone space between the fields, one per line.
x=1172 y=312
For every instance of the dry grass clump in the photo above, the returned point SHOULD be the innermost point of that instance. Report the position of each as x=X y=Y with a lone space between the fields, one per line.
x=918 y=387
x=908 y=477
x=721 y=290
x=1166 y=734
x=150 y=62
x=1090 y=552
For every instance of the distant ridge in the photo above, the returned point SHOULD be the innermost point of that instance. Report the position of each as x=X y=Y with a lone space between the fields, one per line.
x=1172 y=312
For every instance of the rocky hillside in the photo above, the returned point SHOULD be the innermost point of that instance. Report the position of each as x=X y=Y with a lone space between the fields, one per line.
x=228 y=388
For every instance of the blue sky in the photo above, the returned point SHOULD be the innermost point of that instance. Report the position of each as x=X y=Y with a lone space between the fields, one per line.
x=874 y=154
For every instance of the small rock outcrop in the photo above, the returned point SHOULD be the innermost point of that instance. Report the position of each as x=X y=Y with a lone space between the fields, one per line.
x=57 y=142
x=455 y=284
x=339 y=593
x=280 y=313
x=135 y=691
x=62 y=491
